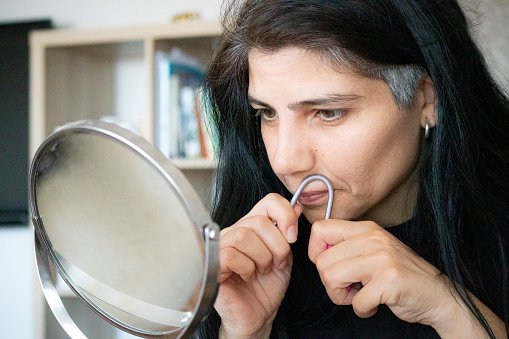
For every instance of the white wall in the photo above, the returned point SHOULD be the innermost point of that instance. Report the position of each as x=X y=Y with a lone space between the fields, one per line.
x=489 y=25
x=20 y=299
x=105 y=13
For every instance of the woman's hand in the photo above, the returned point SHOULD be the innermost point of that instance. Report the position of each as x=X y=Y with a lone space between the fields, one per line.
x=256 y=263
x=367 y=266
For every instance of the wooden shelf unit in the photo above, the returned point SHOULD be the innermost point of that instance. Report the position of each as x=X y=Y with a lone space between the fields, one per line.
x=94 y=73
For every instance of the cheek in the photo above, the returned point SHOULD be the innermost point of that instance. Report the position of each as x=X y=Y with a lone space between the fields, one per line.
x=346 y=150
x=389 y=159
x=371 y=158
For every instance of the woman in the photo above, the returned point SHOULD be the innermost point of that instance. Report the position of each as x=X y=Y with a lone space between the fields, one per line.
x=392 y=101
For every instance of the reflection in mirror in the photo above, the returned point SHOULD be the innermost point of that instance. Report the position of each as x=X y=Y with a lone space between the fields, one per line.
x=119 y=232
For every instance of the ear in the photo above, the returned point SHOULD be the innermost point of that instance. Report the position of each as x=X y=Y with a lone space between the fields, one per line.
x=428 y=104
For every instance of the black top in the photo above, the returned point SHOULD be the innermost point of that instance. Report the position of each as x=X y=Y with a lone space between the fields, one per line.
x=308 y=312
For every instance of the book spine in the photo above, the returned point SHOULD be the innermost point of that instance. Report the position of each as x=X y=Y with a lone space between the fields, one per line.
x=181 y=130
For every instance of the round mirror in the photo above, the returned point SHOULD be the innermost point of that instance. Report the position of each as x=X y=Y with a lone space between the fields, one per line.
x=124 y=229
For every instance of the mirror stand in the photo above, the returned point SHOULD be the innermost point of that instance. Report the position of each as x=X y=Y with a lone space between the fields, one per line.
x=43 y=257
x=51 y=294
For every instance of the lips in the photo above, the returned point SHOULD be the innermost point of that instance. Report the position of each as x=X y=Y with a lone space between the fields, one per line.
x=313 y=198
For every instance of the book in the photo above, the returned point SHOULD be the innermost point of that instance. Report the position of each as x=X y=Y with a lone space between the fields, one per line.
x=179 y=127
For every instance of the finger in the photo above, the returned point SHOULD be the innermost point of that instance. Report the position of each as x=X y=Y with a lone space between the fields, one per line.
x=266 y=232
x=247 y=241
x=233 y=261
x=366 y=301
x=281 y=212
x=342 y=278
x=343 y=295
x=378 y=242
x=335 y=231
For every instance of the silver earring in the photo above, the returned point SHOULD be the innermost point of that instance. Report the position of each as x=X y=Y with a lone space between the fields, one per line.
x=426 y=130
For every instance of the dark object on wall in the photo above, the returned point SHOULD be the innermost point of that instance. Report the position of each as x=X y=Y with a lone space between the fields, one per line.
x=14 y=65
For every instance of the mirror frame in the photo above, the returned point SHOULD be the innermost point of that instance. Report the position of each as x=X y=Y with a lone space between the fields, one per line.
x=182 y=188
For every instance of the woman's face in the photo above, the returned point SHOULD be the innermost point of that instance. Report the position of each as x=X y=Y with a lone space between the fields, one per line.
x=316 y=119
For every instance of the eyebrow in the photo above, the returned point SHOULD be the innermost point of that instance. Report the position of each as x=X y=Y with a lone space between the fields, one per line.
x=327 y=99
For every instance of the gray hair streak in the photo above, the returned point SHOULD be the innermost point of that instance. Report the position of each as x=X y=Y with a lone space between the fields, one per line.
x=401 y=79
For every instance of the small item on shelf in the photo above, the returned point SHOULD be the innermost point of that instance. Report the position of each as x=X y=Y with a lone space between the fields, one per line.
x=185 y=17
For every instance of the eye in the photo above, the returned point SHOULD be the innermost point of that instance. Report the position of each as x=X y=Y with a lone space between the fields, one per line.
x=330 y=115
x=266 y=114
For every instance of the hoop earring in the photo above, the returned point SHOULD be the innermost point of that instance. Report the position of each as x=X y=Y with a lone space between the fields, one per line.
x=426 y=130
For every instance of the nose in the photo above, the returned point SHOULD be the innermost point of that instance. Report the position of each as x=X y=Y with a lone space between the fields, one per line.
x=292 y=148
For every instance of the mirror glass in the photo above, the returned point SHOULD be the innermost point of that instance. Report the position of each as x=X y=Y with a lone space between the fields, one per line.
x=123 y=227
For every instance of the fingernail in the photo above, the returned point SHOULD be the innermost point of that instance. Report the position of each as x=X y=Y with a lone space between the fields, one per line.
x=291 y=234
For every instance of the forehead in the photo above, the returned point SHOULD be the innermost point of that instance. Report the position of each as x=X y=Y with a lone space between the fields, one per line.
x=295 y=70
x=301 y=59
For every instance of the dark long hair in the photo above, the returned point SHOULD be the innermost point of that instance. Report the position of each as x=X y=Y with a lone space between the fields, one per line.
x=463 y=200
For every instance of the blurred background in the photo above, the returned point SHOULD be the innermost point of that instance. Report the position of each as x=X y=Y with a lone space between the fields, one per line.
x=20 y=294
